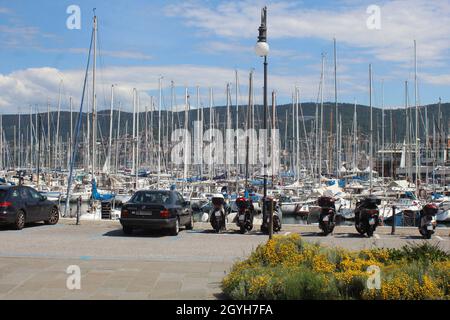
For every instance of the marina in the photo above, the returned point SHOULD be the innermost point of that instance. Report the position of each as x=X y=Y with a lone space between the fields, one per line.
x=96 y=156
x=161 y=181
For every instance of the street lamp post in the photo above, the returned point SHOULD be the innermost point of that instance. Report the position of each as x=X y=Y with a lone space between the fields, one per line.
x=262 y=50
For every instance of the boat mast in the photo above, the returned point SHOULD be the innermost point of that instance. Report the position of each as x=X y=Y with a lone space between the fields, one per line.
x=55 y=155
x=382 y=128
x=118 y=137
x=274 y=105
x=237 y=128
x=133 y=171
x=228 y=125
x=198 y=148
x=297 y=132
x=426 y=145
x=1 y=141
x=211 y=127
x=293 y=164
x=417 y=122
x=248 y=126
x=71 y=128
x=321 y=121
x=338 y=151
x=355 y=132
x=125 y=147
x=186 y=124
x=31 y=139
x=86 y=137
x=159 y=130
x=172 y=116
x=371 y=131
x=108 y=161
x=146 y=135
x=407 y=143
x=137 y=140
x=94 y=100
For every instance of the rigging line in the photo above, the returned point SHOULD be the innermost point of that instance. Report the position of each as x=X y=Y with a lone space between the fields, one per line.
x=101 y=67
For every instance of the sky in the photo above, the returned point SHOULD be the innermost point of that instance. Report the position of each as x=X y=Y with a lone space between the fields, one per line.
x=203 y=43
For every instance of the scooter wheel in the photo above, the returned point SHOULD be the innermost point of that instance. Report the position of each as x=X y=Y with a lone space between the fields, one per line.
x=360 y=231
x=242 y=230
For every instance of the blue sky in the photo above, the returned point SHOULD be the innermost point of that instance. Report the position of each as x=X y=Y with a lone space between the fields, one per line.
x=203 y=42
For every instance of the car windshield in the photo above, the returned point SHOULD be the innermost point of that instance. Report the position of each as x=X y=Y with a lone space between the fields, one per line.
x=152 y=197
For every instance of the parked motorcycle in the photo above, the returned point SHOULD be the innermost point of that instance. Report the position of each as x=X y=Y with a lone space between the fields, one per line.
x=327 y=217
x=246 y=212
x=367 y=215
x=271 y=204
x=427 y=225
x=217 y=215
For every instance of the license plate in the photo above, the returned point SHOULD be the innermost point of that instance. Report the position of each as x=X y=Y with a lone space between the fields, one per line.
x=218 y=213
x=429 y=227
x=241 y=218
x=326 y=219
x=372 y=222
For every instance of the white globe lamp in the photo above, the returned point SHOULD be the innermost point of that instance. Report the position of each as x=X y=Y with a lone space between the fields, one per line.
x=262 y=49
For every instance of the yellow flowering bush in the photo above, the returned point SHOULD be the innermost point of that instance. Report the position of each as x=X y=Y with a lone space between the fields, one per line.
x=287 y=267
x=320 y=263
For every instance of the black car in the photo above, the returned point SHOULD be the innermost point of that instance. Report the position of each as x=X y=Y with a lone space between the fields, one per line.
x=156 y=209
x=22 y=204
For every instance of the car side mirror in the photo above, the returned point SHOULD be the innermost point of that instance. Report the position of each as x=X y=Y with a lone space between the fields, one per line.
x=43 y=198
x=187 y=203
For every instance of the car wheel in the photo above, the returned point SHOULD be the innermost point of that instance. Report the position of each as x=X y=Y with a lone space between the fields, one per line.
x=127 y=230
x=20 y=220
x=54 y=217
x=176 y=228
x=190 y=225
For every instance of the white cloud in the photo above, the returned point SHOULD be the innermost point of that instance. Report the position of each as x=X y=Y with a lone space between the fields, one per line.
x=401 y=22
x=436 y=79
x=36 y=85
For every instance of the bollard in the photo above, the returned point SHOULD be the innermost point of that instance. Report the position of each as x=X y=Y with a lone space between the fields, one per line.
x=78 y=209
x=393 y=220
x=271 y=219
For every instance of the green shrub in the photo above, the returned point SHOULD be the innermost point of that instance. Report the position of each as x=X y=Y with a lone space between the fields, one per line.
x=424 y=252
x=305 y=284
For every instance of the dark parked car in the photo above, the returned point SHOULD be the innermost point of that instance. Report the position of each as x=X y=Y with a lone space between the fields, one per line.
x=156 y=209
x=22 y=204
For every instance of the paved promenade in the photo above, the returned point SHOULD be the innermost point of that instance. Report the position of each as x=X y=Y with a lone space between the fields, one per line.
x=34 y=261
